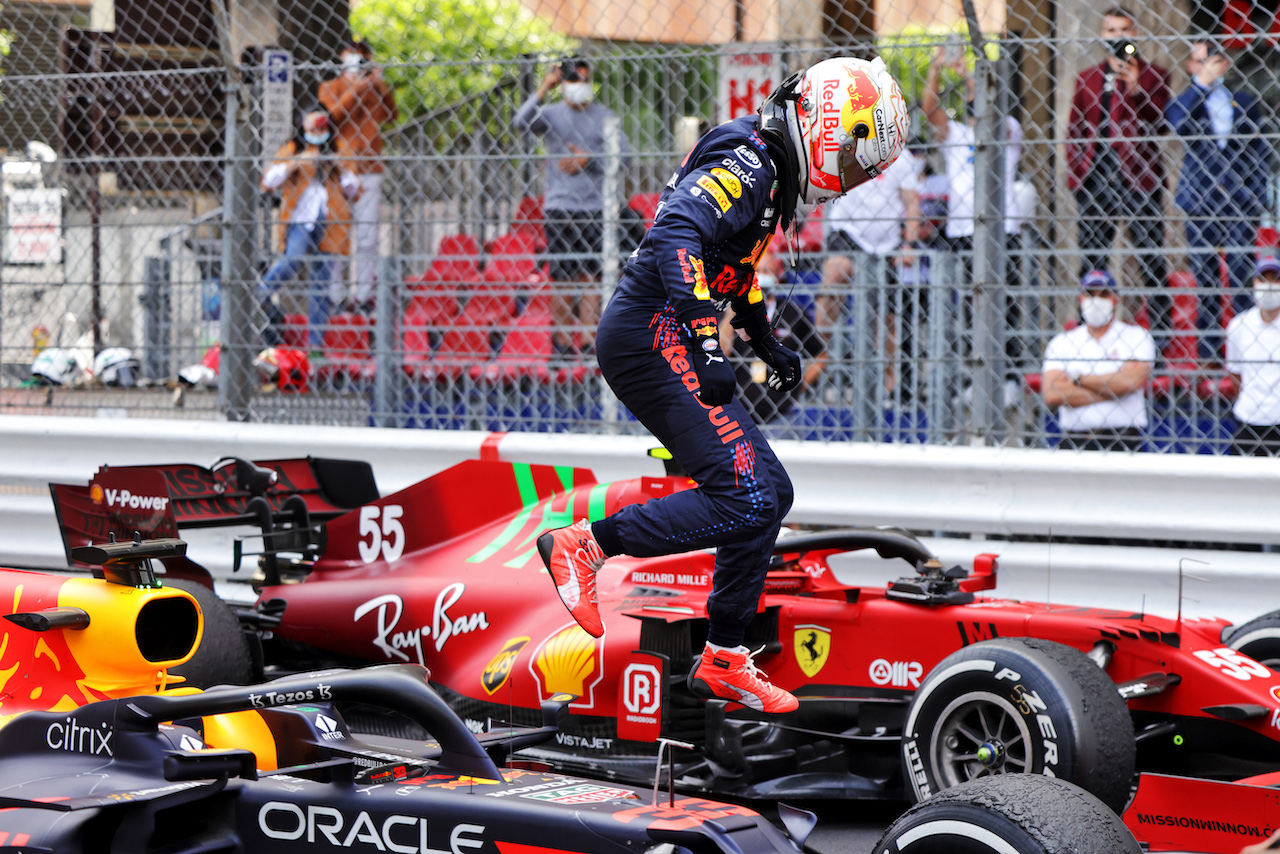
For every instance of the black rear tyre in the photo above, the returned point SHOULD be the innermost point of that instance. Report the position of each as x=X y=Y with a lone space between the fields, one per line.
x=223 y=657
x=1259 y=639
x=1019 y=706
x=1010 y=814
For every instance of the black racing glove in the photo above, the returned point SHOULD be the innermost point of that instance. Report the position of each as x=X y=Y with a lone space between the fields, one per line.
x=716 y=382
x=784 y=363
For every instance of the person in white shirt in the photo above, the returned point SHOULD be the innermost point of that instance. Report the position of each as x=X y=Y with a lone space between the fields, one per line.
x=1253 y=360
x=879 y=219
x=1095 y=376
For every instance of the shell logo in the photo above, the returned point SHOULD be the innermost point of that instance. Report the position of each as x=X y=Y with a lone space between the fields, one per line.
x=1275 y=692
x=863 y=95
x=568 y=662
x=95 y=494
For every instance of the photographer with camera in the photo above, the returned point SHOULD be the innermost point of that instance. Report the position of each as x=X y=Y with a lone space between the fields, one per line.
x=1114 y=163
x=573 y=135
x=1220 y=189
x=360 y=102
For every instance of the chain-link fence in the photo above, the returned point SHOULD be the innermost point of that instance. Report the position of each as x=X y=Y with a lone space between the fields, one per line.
x=433 y=246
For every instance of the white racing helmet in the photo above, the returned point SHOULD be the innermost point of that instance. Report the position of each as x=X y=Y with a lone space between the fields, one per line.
x=846 y=120
x=54 y=366
x=115 y=366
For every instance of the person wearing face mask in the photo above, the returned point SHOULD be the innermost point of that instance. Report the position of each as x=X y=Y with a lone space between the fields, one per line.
x=316 y=186
x=1253 y=359
x=771 y=407
x=360 y=102
x=1095 y=375
x=572 y=131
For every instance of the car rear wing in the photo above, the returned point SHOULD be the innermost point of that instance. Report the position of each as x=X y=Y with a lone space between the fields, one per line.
x=283 y=498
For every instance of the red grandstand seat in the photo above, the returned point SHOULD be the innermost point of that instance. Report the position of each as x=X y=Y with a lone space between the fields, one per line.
x=346 y=349
x=1182 y=351
x=539 y=301
x=527 y=348
x=511 y=258
x=530 y=221
x=457 y=262
x=420 y=332
x=469 y=339
x=1268 y=239
x=1223 y=387
x=437 y=307
x=293 y=336
x=645 y=204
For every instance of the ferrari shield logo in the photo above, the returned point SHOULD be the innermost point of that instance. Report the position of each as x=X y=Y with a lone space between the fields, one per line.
x=813 y=645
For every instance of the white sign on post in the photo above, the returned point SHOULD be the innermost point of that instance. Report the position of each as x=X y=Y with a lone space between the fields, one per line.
x=746 y=79
x=33 y=227
x=277 y=101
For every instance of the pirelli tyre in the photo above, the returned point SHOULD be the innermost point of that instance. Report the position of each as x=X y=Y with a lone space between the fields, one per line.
x=1009 y=814
x=1019 y=706
x=1259 y=639
x=223 y=657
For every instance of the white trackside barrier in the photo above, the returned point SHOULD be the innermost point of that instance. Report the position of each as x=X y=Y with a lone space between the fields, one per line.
x=958 y=490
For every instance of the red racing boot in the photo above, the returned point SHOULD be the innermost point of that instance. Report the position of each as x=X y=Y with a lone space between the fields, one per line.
x=731 y=674
x=574 y=557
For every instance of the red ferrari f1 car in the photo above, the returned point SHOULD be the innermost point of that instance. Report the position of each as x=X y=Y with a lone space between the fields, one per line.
x=905 y=689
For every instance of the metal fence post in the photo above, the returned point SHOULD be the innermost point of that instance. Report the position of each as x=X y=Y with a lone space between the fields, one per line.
x=157 y=317
x=988 y=254
x=387 y=394
x=609 y=245
x=239 y=297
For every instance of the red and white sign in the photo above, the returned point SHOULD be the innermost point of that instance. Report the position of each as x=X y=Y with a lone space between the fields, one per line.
x=746 y=79
x=640 y=696
x=34 y=232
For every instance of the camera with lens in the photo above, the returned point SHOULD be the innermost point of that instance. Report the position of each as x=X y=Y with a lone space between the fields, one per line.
x=1123 y=49
x=569 y=70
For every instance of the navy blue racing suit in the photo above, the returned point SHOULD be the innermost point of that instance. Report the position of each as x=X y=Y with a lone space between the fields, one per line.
x=714 y=220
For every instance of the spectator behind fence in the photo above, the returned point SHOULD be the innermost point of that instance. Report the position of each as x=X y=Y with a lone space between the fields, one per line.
x=360 y=102
x=1222 y=188
x=316 y=185
x=1114 y=163
x=1095 y=375
x=1253 y=358
x=878 y=220
x=956 y=142
x=573 y=133
x=794 y=329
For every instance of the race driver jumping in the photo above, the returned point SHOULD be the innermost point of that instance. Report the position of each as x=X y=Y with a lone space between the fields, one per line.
x=821 y=133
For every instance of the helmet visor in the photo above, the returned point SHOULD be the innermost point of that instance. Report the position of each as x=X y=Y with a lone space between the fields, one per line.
x=852 y=172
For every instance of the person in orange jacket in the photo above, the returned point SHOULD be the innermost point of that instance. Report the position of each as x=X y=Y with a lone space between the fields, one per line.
x=360 y=103
x=313 y=176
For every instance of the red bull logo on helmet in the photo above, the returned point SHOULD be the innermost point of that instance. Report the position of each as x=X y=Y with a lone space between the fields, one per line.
x=863 y=95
